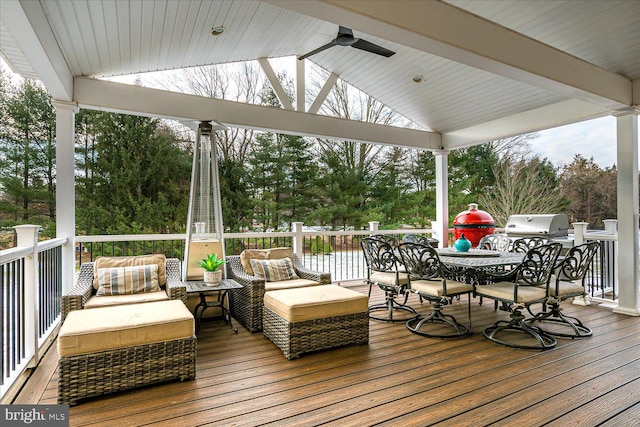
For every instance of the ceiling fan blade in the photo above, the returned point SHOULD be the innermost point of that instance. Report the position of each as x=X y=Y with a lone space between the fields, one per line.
x=318 y=50
x=373 y=48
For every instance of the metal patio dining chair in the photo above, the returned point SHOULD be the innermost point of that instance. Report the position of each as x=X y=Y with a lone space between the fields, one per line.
x=427 y=278
x=526 y=284
x=384 y=271
x=495 y=242
x=571 y=272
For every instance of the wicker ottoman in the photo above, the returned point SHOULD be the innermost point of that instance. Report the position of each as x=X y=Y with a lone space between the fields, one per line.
x=315 y=318
x=109 y=349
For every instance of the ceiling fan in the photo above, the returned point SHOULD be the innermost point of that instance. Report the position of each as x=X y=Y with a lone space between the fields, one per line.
x=345 y=38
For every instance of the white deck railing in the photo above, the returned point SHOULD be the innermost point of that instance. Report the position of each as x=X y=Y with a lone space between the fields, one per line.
x=31 y=275
x=30 y=294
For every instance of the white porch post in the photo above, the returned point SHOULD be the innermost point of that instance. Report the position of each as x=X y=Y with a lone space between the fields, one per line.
x=442 y=197
x=65 y=187
x=27 y=237
x=627 y=125
x=298 y=239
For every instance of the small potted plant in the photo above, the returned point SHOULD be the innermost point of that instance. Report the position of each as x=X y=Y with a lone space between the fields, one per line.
x=210 y=264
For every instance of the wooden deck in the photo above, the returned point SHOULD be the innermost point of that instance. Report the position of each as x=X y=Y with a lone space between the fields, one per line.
x=397 y=379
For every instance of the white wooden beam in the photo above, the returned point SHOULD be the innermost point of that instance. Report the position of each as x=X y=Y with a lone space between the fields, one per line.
x=123 y=98
x=449 y=32
x=28 y=25
x=301 y=85
x=324 y=92
x=65 y=180
x=275 y=84
x=547 y=117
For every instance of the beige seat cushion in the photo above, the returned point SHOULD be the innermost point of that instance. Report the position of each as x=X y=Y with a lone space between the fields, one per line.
x=566 y=288
x=504 y=290
x=107 y=301
x=383 y=278
x=127 y=261
x=315 y=302
x=290 y=284
x=435 y=288
x=274 y=253
x=107 y=328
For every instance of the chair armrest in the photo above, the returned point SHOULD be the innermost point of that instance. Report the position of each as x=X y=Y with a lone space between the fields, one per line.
x=76 y=298
x=305 y=273
x=246 y=303
x=176 y=289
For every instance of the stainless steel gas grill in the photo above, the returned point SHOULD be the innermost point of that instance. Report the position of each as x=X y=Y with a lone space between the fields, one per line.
x=543 y=225
x=554 y=227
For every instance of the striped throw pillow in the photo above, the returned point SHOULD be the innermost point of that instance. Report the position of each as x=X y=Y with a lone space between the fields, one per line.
x=128 y=280
x=274 y=270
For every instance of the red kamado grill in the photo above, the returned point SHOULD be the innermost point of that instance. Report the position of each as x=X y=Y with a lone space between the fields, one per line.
x=474 y=223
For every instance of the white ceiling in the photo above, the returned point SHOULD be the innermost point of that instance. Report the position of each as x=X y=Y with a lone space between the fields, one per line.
x=483 y=78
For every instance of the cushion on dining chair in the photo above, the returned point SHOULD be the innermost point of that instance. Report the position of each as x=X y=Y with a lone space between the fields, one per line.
x=435 y=288
x=388 y=278
x=504 y=290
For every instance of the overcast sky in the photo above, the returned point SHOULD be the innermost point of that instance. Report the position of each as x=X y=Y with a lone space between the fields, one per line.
x=594 y=138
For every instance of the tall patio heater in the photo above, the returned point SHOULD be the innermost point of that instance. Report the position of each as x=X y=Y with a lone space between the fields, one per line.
x=204 y=217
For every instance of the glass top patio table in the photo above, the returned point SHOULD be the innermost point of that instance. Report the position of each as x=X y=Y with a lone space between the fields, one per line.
x=476 y=266
x=478 y=258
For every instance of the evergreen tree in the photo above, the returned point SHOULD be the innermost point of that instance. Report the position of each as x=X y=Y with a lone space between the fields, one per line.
x=139 y=178
x=27 y=153
x=589 y=188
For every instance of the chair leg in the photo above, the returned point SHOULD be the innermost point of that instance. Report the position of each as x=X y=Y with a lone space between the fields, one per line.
x=573 y=326
x=391 y=307
x=518 y=325
x=436 y=316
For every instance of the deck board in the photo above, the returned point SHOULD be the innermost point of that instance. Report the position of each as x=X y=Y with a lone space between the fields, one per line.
x=399 y=378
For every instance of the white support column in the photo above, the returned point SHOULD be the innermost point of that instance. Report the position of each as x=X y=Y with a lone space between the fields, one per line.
x=628 y=294
x=300 y=86
x=65 y=187
x=442 y=197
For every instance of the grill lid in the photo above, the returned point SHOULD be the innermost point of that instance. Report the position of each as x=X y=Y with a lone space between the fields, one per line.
x=549 y=225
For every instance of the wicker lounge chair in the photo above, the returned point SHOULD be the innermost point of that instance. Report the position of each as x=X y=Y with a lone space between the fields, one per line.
x=84 y=289
x=247 y=303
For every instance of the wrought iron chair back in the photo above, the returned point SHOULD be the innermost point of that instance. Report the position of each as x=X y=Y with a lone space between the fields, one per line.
x=524 y=244
x=495 y=242
x=537 y=266
x=575 y=265
x=414 y=238
x=421 y=261
x=392 y=241
x=379 y=255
